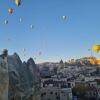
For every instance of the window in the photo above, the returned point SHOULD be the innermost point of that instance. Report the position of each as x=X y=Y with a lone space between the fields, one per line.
x=51 y=92
x=56 y=93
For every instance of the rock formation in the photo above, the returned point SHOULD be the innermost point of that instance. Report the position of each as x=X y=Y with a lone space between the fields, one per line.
x=4 y=79
x=18 y=80
x=24 y=81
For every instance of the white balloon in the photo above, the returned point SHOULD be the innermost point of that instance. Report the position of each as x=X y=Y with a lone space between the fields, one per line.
x=64 y=17
x=20 y=19
x=6 y=21
x=31 y=26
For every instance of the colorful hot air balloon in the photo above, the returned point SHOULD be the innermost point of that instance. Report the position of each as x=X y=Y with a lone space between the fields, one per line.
x=10 y=10
x=96 y=48
x=18 y=2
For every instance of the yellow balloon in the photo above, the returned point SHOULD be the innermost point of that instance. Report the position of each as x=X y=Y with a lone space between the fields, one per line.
x=18 y=2
x=96 y=48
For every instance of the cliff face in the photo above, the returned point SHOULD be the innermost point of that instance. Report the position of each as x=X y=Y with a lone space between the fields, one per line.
x=24 y=80
x=4 y=79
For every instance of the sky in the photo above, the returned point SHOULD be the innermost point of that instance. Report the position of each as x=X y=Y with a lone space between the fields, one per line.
x=54 y=37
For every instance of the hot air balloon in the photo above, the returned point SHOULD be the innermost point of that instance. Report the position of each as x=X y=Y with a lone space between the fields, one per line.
x=65 y=17
x=6 y=21
x=31 y=26
x=20 y=19
x=96 y=48
x=24 y=49
x=18 y=2
x=10 y=10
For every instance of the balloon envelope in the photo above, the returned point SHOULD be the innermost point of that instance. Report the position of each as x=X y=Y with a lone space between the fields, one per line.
x=6 y=21
x=20 y=19
x=10 y=10
x=96 y=48
x=64 y=17
x=18 y=2
x=31 y=26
